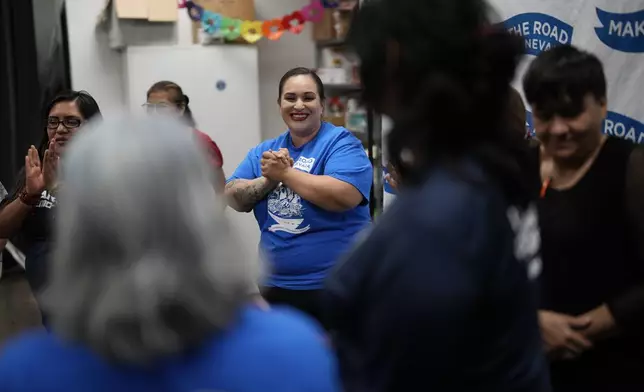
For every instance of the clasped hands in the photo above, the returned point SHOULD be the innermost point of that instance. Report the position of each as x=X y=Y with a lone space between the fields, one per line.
x=275 y=164
x=567 y=337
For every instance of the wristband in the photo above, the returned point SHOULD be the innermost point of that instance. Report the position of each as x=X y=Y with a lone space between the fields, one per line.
x=27 y=199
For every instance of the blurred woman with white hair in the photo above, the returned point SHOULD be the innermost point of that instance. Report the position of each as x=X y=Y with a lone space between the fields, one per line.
x=149 y=287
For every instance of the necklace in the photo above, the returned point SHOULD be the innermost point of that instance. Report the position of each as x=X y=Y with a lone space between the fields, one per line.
x=578 y=174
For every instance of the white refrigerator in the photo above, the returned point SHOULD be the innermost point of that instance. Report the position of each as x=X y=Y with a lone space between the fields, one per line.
x=222 y=83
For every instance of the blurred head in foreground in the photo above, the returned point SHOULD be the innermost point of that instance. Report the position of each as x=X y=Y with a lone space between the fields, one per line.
x=145 y=264
x=442 y=71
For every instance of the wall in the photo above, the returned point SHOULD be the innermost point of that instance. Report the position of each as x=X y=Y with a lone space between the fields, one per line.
x=99 y=70
x=94 y=66
x=275 y=58
x=46 y=21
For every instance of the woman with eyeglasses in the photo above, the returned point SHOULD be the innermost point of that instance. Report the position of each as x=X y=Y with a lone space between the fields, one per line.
x=27 y=212
x=167 y=98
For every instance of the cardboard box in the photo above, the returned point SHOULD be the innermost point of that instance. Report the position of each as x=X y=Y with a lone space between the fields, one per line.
x=338 y=121
x=323 y=30
x=138 y=22
x=150 y=10
x=237 y=9
x=335 y=23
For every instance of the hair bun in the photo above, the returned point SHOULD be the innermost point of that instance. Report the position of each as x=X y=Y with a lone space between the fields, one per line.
x=186 y=99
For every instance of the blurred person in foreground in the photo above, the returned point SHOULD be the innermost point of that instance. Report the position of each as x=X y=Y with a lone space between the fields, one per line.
x=516 y=121
x=440 y=295
x=149 y=288
x=591 y=215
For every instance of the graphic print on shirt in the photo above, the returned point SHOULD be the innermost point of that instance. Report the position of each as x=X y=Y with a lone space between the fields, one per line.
x=285 y=207
x=304 y=164
x=47 y=200
x=527 y=239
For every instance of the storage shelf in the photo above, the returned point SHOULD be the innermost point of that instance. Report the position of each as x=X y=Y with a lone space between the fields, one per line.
x=342 y=89
x=331 y=43
x=372 y=138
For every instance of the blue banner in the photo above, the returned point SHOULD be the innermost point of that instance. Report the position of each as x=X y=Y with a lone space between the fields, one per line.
x=529 y=123
x=623 y=32
x=540 y=31
x=624 y=127
x=615 y=124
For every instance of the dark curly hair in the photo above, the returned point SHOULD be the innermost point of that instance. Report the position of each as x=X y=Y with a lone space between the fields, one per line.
x=451 y=69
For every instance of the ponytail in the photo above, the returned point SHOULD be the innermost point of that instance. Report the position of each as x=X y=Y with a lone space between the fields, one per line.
x=187 y=113
x=180 y=99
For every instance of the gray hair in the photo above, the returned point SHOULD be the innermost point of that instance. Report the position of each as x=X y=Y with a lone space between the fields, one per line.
x=145 y=263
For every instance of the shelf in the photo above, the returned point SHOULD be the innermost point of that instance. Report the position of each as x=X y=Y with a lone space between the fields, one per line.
x=342 y=89
x=331 y=43
x=349 y=5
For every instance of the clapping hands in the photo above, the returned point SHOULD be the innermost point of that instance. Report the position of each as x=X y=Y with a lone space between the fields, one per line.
x=40 y=175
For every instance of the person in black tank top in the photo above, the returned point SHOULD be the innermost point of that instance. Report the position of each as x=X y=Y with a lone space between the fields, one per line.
x=591 y=213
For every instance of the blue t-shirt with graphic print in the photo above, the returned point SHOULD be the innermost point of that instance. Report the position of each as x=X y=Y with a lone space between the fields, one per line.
x=277 y=350
x=302 y=240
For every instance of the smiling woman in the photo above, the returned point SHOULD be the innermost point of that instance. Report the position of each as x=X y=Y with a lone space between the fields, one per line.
x=309 y=189
x=27 y=211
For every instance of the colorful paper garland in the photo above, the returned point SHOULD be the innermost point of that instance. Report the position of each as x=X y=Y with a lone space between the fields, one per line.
x=230 y=29
x=295 y=28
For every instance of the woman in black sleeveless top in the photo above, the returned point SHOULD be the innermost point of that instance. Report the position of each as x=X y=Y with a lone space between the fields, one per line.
x=592 y=225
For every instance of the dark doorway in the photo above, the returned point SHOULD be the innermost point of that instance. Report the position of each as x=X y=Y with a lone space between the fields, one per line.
x=19 y=85
x=33 y=68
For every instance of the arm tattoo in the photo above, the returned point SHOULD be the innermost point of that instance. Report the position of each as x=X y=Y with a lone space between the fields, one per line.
x=247 y=194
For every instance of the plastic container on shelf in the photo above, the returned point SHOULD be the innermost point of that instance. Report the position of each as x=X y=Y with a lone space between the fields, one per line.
x=356 y=117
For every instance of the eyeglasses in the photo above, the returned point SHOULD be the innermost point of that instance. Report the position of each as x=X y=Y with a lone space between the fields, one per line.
x=68 y=122
x=159 y=107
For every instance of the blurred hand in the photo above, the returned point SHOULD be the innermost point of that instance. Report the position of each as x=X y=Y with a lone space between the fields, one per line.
x=602 y=324
x=563 y=335
x=34 y=178
x=392 y=177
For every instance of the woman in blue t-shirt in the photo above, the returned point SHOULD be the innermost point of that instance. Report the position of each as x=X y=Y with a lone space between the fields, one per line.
x=149 y=289
x=309 y=190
